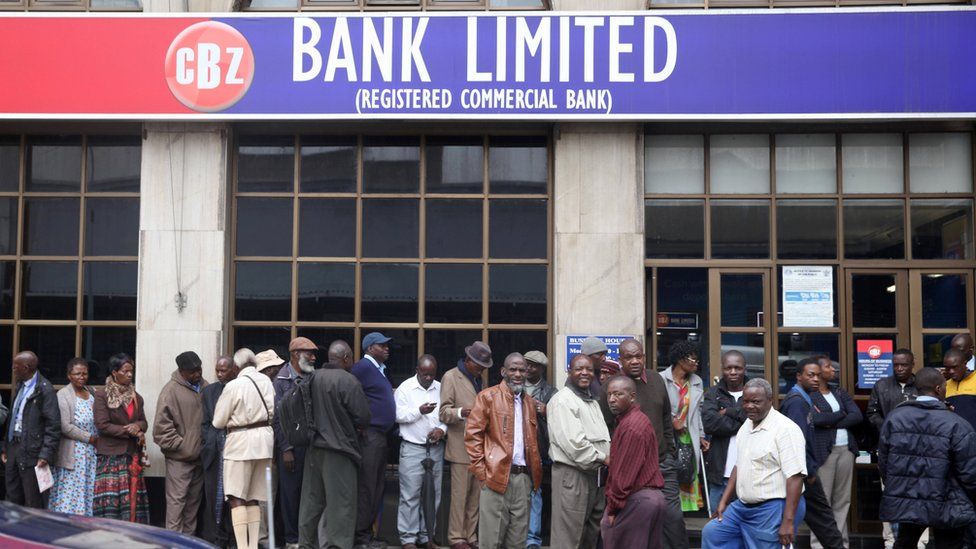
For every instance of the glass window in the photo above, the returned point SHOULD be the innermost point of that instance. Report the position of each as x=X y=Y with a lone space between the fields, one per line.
x=455 y=165
x=328 y=164
x=674 y=164
x=517 y=229
x=944 y=300
x=404 y=350
x=275 y=338
x=806 y=229
x=517 y=165
x=6 y=350
x=504 y=342
x=447 y=346
x=391 y=165
x=740 y=229
x=453 y=293
x=682 y=311
x=739 y=164
x=753 y=346
x=517 y=294
x=112 y=226
x=942 y=229
x=873 y=163
x=873 y=300
x=874 y=229
x=100 y=343
x=795 y=346
x=264 y=226
x=326 y=292
x=50 y=290
x=9 y=163
x=55 y=345
x=742 y=300
x=934 y=347
x=110 y=290
x=114 y=164
x=266 y=164
x=806 y=163
x=51 y=226
x=940 y=162
x=674 y=228
x=323 y=337
x=389 y=292
x=8 y=225
x=262 y=291
x=454 y=228
x=327 y=227
x=7 y=275
x=53 y=164
x=391 y=227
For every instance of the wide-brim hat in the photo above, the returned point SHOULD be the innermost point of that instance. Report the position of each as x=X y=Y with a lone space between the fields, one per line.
x=267 y=359
x=480 y=353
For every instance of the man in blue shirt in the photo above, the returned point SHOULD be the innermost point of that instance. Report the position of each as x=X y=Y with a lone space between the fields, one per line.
x=33 y=432
x=371 y=373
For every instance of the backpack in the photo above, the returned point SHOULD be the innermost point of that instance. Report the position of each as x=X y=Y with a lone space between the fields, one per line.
x=295 y=414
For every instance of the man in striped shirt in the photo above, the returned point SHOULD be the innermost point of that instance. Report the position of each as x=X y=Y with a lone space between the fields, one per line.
x=767 y=478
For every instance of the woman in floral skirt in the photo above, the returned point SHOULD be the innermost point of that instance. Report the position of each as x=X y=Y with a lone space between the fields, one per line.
x=74 y=474
x=120 y=490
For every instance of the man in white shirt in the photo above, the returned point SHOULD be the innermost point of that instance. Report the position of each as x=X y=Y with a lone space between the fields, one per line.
x=768 y=479
x=417 y=402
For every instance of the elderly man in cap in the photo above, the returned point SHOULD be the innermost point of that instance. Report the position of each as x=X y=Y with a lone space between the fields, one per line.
x=216 y=523
x=291 y=460
x=268 y=362
x=459 y=387
x=537 y=387
x=176 y=429
x=246 y=410
x=597 y=350
x=371 y=373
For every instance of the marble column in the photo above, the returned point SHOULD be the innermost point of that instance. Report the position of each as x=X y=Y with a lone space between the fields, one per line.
x=183 y=227
x=598 y=223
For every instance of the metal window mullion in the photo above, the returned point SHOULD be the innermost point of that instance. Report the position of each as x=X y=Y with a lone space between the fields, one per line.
x=358 y=301
x=485 y=241
x=422 y=247
x=18 y=262
x=296 y=222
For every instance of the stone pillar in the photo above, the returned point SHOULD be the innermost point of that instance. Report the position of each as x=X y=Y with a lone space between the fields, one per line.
x=183 y=220
x=598 y=222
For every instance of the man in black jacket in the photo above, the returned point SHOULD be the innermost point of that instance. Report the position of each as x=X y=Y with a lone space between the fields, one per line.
x=215 y=526
x=330 y=478
x=927 y=459
x=722 y=415
x=891 y=391
x=33 y=432
x=798 y=406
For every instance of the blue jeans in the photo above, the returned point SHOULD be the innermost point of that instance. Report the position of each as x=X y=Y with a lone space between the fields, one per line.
x=715 y=492
x=750 y=527
x=535 y=520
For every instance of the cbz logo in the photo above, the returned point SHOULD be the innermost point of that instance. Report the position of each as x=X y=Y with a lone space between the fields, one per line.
x=209 y=66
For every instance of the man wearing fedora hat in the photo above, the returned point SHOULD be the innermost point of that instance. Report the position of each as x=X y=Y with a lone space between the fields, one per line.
x=371 y=373
x=459 y=387
x=177 y=431
x=291 y=460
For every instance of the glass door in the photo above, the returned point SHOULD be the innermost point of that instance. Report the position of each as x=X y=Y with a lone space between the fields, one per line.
x=942 y=308
x=742 y=299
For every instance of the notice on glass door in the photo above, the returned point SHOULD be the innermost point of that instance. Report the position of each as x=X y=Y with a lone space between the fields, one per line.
x=874 y=361
x=808 y=296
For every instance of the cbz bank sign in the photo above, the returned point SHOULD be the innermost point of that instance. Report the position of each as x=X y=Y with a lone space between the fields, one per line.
x=897 y=63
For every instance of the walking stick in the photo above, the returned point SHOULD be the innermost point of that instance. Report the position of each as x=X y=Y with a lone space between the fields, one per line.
x=701 y=467
x=269 y=507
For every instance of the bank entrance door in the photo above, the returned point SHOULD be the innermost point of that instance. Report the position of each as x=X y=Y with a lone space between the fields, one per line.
x=742 y=300
x=920 y=309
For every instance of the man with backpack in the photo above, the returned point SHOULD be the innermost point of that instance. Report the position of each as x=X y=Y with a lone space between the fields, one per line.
x=339 y=413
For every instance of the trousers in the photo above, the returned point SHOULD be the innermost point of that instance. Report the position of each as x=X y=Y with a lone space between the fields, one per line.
x=753 y=526
x=504 y=518
x=836 y=475
x=184 y=490
x=329 y=489
x=820 y=516
x=289 y=491
x=675 y=535
x=21 y=482
x=638 y=524
x=948 y=538
x=577 y=507
x=410 y=516
x=462 y=524
x=370 y=487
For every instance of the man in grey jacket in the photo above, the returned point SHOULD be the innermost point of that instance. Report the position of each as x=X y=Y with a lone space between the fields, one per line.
x=329 y=483
x=579 y=443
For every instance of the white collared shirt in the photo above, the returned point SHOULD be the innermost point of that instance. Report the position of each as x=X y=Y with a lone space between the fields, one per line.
x=380 y=367
x=518 y=451
x=769 y=453
x=409 y=396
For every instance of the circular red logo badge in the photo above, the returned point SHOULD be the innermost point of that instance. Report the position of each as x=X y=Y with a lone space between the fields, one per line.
x=874 y=351
x=209 y=66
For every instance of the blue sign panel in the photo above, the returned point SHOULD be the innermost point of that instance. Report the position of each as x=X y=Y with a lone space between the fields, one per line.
x=574 y=342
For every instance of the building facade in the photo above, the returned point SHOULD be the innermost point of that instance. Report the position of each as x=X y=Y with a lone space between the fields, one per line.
x=778 y=232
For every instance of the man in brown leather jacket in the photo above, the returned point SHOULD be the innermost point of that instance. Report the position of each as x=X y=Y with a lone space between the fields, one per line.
x=501 y=440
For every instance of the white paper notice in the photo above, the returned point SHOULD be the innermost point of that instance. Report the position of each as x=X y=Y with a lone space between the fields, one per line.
x=45 y=480
x=808 y=296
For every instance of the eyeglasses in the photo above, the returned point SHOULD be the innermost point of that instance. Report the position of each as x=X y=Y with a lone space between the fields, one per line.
x=692 y=359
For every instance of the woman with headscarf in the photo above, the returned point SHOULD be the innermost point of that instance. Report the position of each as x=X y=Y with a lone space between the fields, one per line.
x=120 y=490
x=74 y=474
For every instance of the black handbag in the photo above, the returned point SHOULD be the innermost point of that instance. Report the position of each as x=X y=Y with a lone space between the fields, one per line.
x=685 y=463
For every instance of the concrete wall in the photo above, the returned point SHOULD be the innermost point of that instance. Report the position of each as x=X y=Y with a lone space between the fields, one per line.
x=183 y=207
x=599 y=234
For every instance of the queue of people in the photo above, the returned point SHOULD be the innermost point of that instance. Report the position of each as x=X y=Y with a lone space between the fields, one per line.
x=627 y=449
